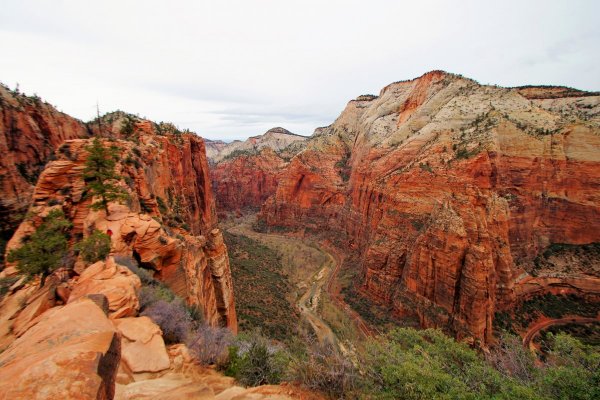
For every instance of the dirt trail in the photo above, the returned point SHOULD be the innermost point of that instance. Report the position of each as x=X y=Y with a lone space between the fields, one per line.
x=537 y=327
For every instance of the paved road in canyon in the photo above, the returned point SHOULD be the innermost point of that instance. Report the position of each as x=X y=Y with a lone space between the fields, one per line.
x=536 y=328
x=314 y=284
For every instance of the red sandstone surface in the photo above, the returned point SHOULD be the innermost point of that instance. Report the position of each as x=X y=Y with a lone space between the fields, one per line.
x=246 y=181
x=449 y=189
x=30 y=132
x=169 y=224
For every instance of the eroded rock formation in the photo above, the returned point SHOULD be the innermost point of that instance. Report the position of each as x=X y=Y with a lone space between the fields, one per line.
x=448 y=190
x=277 y=139
x=30 y=132
x=167 y=223
x=246 y=181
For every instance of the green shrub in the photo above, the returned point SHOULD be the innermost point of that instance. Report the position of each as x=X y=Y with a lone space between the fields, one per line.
x=239 y=153
x=253 y=361
x=410 y=364
x=325 y=369
x=128 y=125
x=95 y=247
x=572 y=371
x=162 y=207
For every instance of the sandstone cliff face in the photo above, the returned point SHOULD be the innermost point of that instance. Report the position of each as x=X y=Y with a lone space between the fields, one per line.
x=449 y=189
x=168 y=225
x=246 y=181
x=245 y=174
x=30 y=132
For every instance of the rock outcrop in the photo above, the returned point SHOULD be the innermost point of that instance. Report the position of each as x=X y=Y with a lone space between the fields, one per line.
x=448 y=190
x=143 y=348
x=117 y=283
x=246 y=181
x=168 y=224
x=245 y=174
x=30 y=132
x=72 y=352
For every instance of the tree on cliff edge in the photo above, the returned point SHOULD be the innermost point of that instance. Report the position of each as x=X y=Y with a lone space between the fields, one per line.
x=43 y=251
x=99 y=175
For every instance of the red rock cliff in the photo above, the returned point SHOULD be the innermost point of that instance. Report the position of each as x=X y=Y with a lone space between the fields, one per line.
x=244 y=174
x=449 y=189
x=246 y=181
x=30 y=132
x=169 y=223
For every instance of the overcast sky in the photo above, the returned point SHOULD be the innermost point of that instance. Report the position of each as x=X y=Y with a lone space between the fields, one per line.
x=232 y=69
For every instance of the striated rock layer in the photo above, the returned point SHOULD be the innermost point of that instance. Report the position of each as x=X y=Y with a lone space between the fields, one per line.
x=246 y=181
x=30 y=132
x=278 y=139
x=168 y=225
x=448 y=190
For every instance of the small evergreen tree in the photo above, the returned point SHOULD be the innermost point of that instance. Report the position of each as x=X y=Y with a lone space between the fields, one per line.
x=99 y=174
x=44 y=250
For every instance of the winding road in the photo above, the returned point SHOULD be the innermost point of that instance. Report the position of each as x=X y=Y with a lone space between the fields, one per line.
x=322 y=279
x=537 y=327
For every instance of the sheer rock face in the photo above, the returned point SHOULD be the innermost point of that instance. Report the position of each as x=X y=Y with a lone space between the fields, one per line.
x=245 y=174
x=30 y=132
x=168 y=225
x=449 y=189
x=74 y=347
x=246 y=181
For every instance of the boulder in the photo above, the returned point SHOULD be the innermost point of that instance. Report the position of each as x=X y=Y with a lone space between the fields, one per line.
x=72 y=352
x=143 y=346
x=114 y=281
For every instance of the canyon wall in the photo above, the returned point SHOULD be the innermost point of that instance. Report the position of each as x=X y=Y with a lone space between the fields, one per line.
x=448 y=190
x=245 y=174
x=30 y=131
x=246 y=181
x=169 y=223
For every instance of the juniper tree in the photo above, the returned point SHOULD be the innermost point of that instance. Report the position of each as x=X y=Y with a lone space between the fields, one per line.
x=43 y=251
x=100 y=175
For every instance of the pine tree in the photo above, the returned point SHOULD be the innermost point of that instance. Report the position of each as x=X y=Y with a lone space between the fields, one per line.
x=45 y=249
x=100 y=175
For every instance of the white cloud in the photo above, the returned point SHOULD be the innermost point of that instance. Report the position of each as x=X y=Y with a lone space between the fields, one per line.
x=232 y=69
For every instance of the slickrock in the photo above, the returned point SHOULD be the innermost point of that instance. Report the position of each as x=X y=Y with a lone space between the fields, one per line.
x=448 y=190
x=143 y=348
x=73 y=352
x=116 y=282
